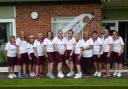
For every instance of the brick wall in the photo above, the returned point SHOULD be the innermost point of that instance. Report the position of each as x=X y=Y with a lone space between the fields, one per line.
x=46 y=12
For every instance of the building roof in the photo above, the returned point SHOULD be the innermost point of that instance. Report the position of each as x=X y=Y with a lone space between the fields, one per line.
x=46 y=0
x=19 y=2
x=43 y=0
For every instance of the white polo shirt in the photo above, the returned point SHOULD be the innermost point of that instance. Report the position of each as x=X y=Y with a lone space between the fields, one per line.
x=11 y=50
x=60 y=44
x=106 y=43
x=96 y=46
x=40 y=47
x=49 y=44
x=23 y=45
x=87 y=53
x=78 y=46
x=117 y=44
x=30 y=48
x=70 y=43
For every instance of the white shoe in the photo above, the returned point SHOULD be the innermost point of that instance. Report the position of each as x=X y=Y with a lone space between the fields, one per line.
x=14 y=75
x=115 y=74
x=119 y=75
x=76 y=73
x=96 y=73
x=70 y=74
x=10 y=76
x=48 y=74
x=31 y=75
x=60 y=75
x=79 y=75
x=99 y=74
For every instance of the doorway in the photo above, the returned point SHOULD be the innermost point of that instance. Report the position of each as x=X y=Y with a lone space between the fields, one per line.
x=123 y=31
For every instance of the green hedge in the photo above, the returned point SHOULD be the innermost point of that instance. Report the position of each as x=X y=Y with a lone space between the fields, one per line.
x=3 y=58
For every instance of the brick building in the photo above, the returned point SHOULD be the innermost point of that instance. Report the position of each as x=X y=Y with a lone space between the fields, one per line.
x=52 y=15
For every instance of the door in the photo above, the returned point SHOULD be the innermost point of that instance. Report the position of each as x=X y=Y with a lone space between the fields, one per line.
x=123 y=31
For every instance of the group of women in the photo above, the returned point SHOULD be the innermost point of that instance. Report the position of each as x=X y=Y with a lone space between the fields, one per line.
x=80 y=55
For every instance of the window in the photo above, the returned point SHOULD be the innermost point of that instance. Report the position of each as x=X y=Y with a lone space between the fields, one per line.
x=61 y=22
x=7 y=29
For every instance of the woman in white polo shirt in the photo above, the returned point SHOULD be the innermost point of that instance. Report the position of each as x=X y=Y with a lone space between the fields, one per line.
x=60 y=47
x=40 y=54
x=77 y=55
x=107 y=50
x=86 y=61
x=22 y=50
x=49 y=53
x=32 y=56
x=70 y=42
x=97 y=53
x=118 y=50
x=10 y=52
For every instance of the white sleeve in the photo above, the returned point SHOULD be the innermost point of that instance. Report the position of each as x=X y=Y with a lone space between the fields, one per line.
x=121 y=40
x=64 y=39
x=55 y=40
x=7 y=46
x=110 y=40
x=34 y=45
x=73 y=41
x=91 y=42
x=80 y=44
x=100 y=41
x=18 y=41
x=45 y=42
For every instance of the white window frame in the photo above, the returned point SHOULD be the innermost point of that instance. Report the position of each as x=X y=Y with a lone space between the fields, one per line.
x=112 y=21
x=5 y=69
x=13 y=24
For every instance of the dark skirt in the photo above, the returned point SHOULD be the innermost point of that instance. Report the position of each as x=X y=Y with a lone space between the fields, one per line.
x=51 y=56
x=11 y=61
x=87 y=66
x=32 y=61
x=67 y=55
x=59 y=58
x=96 y=59
x=116 y=58
x=23 y=59
x=106 y=59
x=77 y=59
x=40 y=60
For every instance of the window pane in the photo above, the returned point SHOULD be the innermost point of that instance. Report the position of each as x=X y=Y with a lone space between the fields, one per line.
x=61 y=22
x=110 y=26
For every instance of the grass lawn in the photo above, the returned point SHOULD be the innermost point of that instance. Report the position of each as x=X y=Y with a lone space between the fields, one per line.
x=65 y=82
x=88 y=83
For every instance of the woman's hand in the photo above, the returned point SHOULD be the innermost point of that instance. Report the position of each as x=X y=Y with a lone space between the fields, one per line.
x=108 y=55
x=30 y=58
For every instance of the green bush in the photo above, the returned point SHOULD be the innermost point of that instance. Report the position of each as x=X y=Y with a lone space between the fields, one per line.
x=3 y=58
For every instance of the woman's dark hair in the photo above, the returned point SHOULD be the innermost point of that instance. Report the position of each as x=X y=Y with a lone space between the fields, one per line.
x=116 y=32
x=59 y=30
x=95 y=32
x=71 y=31
x=51 y=33
x=12 y=37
